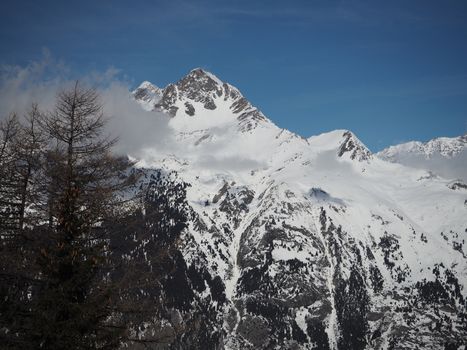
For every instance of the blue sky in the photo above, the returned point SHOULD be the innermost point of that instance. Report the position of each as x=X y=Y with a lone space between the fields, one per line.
x=390 y=71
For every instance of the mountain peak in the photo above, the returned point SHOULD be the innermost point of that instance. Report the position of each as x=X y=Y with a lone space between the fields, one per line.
x=344 y=141
x=147 y=94
x=148 y=85
x=197 y=70
x=352 y=146
x=200 y=73
x=202 y=95
x=447 y=147
x=201 y=86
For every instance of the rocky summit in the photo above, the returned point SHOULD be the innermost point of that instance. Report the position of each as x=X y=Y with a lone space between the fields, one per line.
x=304 y=243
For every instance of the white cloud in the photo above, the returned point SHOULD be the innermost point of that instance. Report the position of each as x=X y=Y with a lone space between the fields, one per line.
x=143 y=135
x=229 y=163
x=39 y=82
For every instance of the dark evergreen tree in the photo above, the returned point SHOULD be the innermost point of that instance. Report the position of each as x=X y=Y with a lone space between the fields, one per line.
x=56 y=295
x=20 y=154
x=75 y=303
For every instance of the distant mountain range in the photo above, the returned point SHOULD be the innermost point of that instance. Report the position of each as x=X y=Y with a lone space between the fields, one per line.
x=446 y=157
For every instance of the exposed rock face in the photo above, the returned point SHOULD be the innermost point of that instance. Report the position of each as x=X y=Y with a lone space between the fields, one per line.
x=200 y=87
x=317 y=245
x=202 y=90
x=352 y=146
x=148 y=95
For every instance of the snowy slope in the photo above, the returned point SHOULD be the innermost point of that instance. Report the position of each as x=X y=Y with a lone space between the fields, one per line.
x=318 y=242
x=444 y=156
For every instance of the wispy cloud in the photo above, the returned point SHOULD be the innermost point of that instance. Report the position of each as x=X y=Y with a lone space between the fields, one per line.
x=39 y=82
x=143 y=135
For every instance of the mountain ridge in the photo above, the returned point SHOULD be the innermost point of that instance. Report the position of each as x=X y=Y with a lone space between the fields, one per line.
x=200 y=83
x=446 y=146
x=442 y=156
x=316 y=243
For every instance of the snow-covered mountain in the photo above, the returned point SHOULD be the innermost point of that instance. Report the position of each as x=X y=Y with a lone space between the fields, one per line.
x=444 y=156
x=147 y=95
x=313 y=243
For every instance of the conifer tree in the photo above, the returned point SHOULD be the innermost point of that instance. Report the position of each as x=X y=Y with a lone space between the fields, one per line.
x=60 y=184
x=74 y=306
x=20 y=155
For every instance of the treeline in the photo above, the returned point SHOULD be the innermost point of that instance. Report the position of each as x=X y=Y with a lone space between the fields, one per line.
x=87 y=251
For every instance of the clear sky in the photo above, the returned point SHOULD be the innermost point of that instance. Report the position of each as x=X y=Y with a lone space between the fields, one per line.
x=390 y=71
